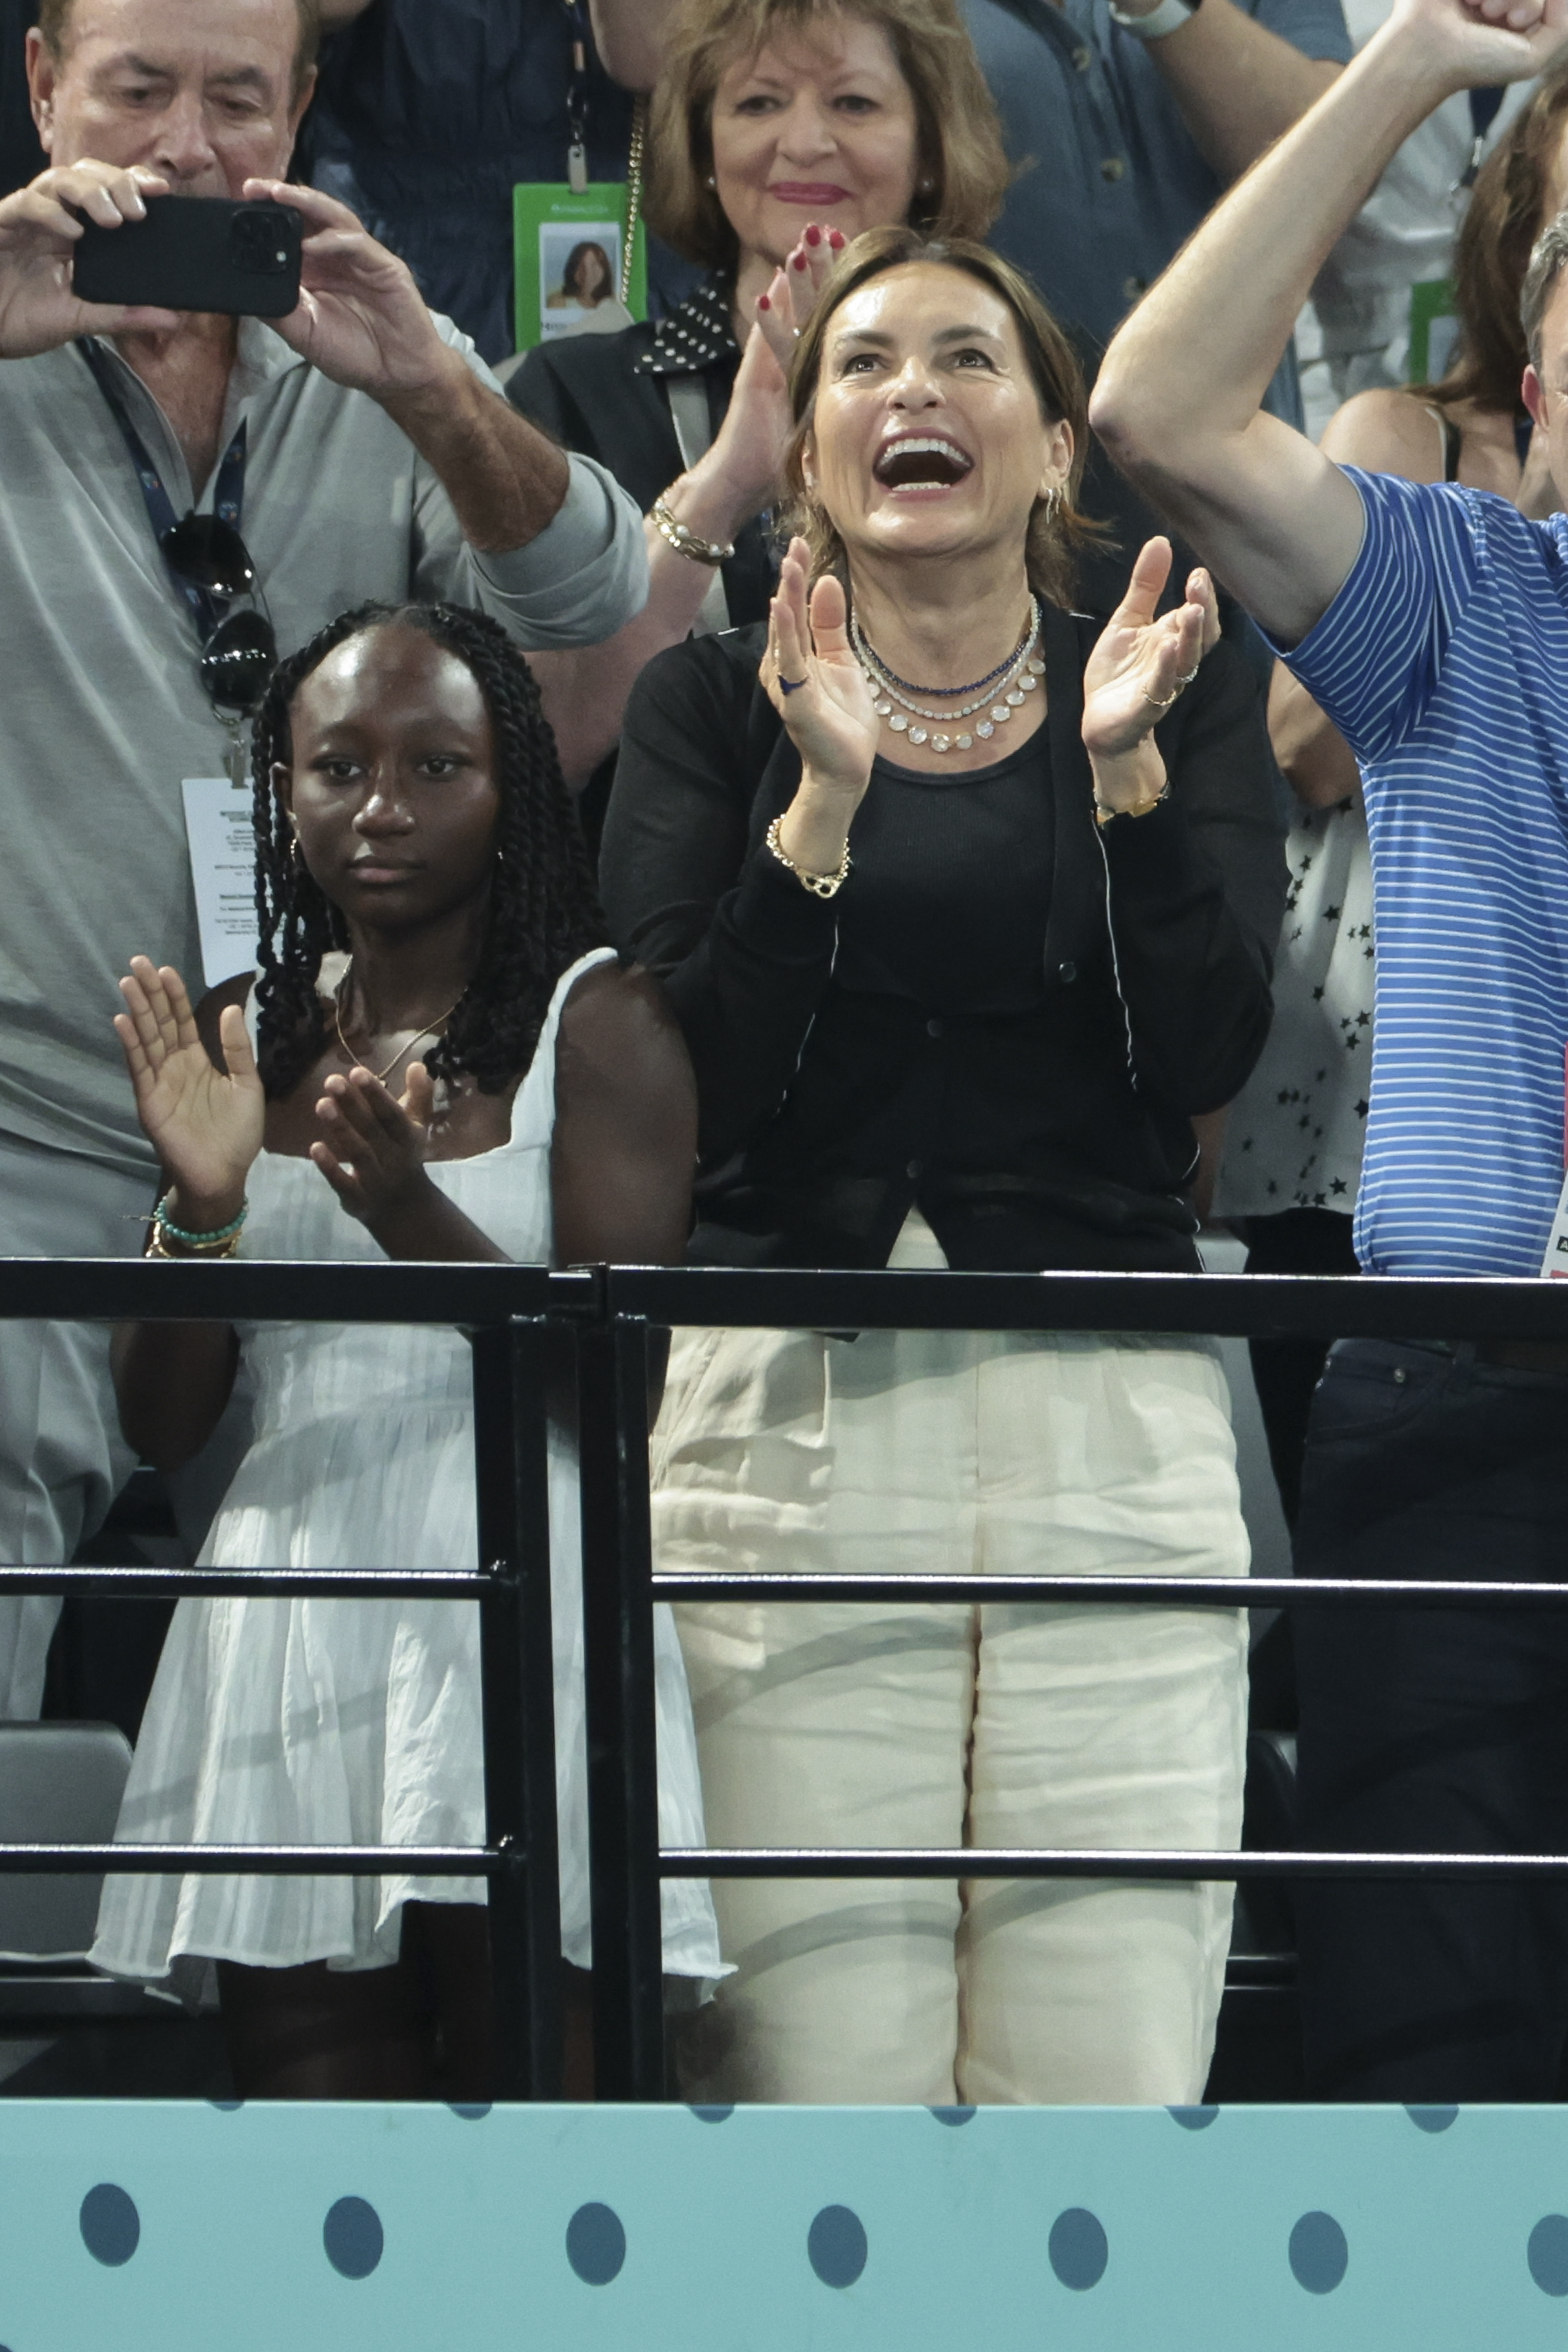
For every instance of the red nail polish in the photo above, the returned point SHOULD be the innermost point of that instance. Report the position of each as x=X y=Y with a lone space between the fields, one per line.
x=813 y=234
x=763 y=303
x=798 y=260
x=836 y=240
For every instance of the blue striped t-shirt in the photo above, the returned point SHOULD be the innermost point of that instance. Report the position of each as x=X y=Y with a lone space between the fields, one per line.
x=1444 y=661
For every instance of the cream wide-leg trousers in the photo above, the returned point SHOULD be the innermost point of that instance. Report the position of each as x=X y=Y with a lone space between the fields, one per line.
x=929 y=1725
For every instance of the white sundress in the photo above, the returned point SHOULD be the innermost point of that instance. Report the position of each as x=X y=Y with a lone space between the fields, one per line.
x=335 y=1721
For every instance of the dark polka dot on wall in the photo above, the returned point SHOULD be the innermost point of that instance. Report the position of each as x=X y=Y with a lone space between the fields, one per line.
x=1431 y=2119
x=472 y=2111
x=595 y=2244
x=1078 y=2249
x=836 y=2246
x=353 y=2237
x=1193 y=2118
x=110 y=2224
x=1319 y=2255
x=1547 y=2254
x=952 y=2114
x=713 y=2115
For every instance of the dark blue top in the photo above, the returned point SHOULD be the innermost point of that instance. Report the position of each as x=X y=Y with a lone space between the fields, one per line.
x=1115 y=184
x=430 y=111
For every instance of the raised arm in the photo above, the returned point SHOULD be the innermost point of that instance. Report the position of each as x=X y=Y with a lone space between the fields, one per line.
x=1178 y=401
x=1190 y=833
x=585 y=691
x=199 y=1100
x=743 y=946
x=1387 y=433
x=1239 y=86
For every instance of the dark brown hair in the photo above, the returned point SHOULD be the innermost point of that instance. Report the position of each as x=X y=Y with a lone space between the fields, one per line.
x=54 y=21
x=958 y=140
x=1056 y=529
x=574 y=261
x=1491 y=255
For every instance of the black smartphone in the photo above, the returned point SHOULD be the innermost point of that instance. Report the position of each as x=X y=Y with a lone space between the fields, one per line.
x=195 y=253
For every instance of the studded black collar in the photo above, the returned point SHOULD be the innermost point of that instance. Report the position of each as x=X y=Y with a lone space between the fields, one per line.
x=694 y=335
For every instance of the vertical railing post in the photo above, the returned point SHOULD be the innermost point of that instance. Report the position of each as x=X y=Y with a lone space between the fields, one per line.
x=517 y=1692
x=622 y=1730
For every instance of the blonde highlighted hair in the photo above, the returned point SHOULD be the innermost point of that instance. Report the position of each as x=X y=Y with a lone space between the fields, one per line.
x=958 y=137
x=1057 y=532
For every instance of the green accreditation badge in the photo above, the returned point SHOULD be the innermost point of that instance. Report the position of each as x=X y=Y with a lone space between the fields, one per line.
x=570 y=247
x=1433 y=331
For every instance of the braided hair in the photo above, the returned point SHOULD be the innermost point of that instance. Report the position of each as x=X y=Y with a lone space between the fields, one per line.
x=544 y=909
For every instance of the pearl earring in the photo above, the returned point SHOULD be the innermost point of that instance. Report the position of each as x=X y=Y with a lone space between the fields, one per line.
x=710 y=181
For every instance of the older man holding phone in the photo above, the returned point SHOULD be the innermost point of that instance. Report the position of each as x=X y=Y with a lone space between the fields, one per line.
x=1431 y=621
x=354 y=448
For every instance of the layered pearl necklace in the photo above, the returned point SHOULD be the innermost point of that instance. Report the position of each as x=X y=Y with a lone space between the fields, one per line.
x=1003 y=689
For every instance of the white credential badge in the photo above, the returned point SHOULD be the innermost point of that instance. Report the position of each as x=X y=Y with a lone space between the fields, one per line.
x=221 y=843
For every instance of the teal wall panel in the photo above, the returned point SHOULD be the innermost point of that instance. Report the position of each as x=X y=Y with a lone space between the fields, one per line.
x=174 y=2228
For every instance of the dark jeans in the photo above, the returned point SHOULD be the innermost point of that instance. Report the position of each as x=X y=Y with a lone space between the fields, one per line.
x=1285 y=1369
x=1434 y=1728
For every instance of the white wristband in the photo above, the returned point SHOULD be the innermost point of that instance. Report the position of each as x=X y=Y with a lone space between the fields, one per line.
x=1168 y=17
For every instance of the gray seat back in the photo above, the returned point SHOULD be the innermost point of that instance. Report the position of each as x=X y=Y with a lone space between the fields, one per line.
x=59 y=1781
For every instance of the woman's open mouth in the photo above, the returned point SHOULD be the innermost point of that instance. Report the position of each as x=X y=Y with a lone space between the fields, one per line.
x=927 y=461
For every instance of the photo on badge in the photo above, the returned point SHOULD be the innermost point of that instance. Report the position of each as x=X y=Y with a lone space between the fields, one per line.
x=570 y=272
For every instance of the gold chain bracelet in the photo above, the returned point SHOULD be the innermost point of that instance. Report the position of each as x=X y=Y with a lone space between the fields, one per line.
x=1104 y=816
x=685 y=542
x=823 y=885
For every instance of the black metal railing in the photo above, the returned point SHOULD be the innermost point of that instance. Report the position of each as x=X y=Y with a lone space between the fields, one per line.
x=622 y=1585
x=522 y=1322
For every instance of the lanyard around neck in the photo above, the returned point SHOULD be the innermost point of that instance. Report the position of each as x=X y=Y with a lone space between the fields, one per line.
x=228 y=501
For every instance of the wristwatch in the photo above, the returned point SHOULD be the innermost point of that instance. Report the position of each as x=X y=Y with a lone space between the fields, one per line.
x=1168 y=17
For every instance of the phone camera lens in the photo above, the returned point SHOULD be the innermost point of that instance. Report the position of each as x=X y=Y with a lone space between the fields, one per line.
x=255 y=242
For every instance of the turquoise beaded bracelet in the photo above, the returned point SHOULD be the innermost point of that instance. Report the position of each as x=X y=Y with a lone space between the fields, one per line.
x=162 y=1219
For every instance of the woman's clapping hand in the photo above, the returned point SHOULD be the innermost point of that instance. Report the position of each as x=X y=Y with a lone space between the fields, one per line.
x=813 y=680
x=1140 y=664
x=372 y=1147
x=748 y=453
x=204 y=1123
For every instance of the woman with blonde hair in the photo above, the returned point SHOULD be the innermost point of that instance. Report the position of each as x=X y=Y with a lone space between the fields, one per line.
x=965 y=905
x=781 y=129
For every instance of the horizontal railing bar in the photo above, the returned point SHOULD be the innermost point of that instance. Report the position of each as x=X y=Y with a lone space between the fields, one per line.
x=189 y=1584
x=1233 y=1305
x=264 y=1861
x=1000 y=1862
x=286 y=1290
x=1166 y=1592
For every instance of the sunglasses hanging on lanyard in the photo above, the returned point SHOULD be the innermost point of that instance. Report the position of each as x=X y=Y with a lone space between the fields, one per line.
x=211 y=567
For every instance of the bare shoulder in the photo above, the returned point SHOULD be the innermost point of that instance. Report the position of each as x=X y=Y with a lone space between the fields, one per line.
x=214 y=1005
x=1388 y=432
x=617 y=1028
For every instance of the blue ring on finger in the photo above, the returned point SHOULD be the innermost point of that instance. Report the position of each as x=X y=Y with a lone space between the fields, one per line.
x=792 y=684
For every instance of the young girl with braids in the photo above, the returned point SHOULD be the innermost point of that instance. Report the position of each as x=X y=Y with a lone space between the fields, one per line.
x=439 y=1042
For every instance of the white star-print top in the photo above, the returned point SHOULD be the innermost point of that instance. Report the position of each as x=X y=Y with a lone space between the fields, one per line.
x=1294 y=1137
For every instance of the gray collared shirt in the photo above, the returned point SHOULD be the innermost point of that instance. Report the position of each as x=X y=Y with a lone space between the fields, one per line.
x=101 y=711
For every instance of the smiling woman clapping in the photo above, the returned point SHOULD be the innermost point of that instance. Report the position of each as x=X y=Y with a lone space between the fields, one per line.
x=964 y=904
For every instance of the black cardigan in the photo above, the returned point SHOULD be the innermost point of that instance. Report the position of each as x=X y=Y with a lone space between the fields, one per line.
x=1061 y=1136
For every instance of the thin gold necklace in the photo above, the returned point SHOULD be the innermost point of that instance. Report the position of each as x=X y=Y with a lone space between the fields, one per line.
x=428 y=1030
